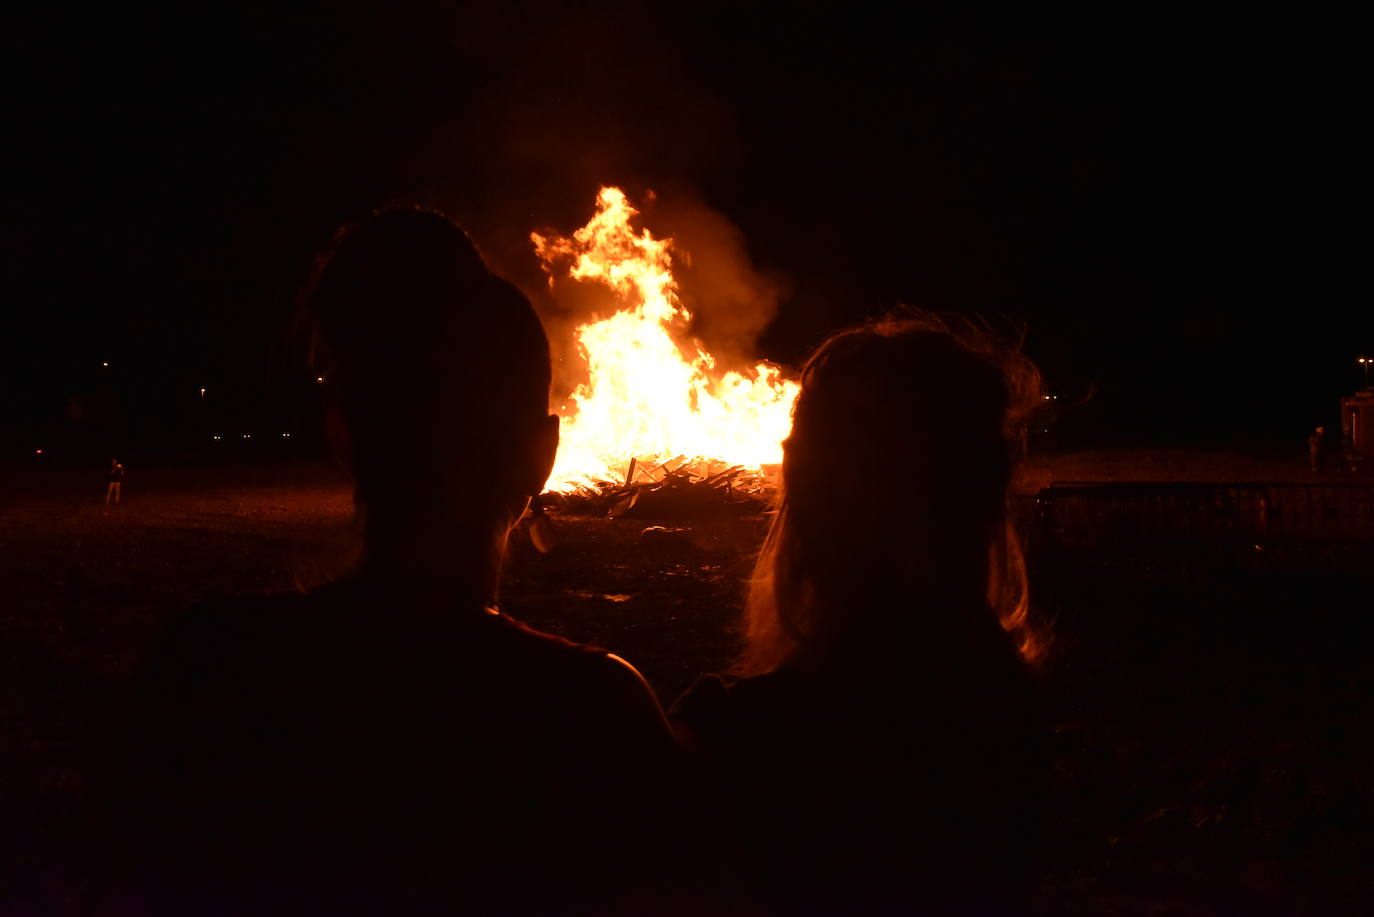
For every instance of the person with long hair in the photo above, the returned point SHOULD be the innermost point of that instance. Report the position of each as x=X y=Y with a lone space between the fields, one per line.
x=879 y=739
x=392 y=742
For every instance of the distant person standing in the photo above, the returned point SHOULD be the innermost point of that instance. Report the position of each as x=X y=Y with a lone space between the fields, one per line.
x=1314 y=447
x=114 y=480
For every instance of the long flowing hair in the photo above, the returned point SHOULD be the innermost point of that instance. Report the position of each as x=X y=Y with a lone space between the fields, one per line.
x=893 y=517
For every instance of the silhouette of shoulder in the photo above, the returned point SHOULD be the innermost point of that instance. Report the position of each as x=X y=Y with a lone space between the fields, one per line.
x=493 y=756
x=910 y=688
x=910 y=784
x=339 y=631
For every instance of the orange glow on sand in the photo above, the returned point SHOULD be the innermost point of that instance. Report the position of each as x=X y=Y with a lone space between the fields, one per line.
x=653 y=395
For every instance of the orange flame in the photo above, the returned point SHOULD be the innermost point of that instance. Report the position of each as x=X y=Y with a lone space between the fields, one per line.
x=648 y=397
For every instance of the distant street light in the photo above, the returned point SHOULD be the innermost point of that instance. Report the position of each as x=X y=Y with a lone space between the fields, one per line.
x=105 y=364
x=202 y=393
x=319 y=379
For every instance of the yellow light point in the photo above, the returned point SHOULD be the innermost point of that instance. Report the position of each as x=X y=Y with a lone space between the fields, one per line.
x=653 y=393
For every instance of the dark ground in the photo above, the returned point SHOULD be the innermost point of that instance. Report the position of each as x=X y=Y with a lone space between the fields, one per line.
x=1214 y=751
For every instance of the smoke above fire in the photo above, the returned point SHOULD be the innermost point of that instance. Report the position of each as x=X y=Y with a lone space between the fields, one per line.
x=653 y=394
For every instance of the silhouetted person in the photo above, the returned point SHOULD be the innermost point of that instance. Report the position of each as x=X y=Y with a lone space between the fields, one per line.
x=879 y=739
x=114 y=482
x=392 y=743
x=1314 y=447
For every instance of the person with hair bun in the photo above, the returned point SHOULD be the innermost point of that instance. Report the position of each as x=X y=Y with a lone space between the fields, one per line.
x=879 y=738
x=393 y=743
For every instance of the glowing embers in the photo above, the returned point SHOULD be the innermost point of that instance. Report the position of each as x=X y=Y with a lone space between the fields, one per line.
x=653 y=394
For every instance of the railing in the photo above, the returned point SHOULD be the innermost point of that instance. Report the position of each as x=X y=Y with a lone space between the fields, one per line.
x=1335 y=521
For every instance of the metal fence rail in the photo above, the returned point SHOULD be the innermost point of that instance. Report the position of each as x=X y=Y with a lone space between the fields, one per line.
x=1199 y=520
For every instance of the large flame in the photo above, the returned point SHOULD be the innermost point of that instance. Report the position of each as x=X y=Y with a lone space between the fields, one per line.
x=649 y=397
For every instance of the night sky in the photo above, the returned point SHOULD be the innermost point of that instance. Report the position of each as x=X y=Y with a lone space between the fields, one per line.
x=1171 y=207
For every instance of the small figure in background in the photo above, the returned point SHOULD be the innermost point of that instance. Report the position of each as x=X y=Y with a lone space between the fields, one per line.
x=114 y=480
x=1314 y=447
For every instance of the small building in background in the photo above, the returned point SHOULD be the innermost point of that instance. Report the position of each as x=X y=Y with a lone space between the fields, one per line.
x=1357 y=421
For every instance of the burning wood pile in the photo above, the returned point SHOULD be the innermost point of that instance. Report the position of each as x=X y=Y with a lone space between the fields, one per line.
x=653 y=390
x=677 y=489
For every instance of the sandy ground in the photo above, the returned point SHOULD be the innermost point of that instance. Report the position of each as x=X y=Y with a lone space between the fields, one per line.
x=1213 y=744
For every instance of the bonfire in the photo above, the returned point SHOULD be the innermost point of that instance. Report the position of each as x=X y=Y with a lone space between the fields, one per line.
x=655 y=414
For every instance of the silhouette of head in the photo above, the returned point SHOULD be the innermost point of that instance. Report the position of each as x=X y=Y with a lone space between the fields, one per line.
x=440 y=374
x=895 y=487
